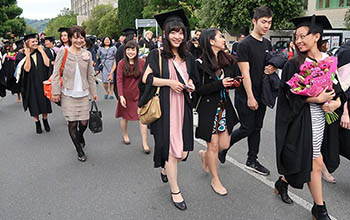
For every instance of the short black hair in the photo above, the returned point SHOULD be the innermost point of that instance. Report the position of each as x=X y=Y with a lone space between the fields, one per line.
x=261 y=12
x=103 y=41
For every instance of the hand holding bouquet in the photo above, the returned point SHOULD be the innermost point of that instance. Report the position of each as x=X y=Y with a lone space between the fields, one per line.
x=313 y=78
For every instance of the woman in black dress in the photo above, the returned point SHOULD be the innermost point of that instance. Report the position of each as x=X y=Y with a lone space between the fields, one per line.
x=216 y=72
x=173 y=132
x=35 y=71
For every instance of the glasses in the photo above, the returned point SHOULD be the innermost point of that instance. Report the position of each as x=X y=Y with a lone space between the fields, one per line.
x=301 y=37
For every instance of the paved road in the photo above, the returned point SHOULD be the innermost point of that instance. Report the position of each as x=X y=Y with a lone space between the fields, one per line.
x=41 y=179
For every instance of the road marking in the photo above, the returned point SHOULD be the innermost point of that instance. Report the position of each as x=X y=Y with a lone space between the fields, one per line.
x=298 y=200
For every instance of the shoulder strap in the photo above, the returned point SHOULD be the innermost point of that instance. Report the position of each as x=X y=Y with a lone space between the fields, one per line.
x=160 y=69
x=63 y=61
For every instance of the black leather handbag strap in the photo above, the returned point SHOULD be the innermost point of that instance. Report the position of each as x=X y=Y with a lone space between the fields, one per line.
x=93 y=104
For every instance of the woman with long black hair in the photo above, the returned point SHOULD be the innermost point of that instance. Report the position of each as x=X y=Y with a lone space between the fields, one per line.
x=173 y=132
x=216 y=72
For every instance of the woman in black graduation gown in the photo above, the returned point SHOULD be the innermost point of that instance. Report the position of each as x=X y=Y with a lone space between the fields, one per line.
x=300 y=122
x=215 y=70
x=344 y=132
x=34 y=72
x=173 y=132
x=8 y=70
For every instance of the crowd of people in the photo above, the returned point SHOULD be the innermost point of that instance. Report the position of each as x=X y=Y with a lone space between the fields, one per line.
x=194 y=74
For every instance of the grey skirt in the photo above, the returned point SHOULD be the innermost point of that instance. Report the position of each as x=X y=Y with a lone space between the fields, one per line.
x=75 y=109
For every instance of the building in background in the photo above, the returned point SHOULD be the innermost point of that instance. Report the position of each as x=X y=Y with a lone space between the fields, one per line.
x=84 y=7
x=334 y=10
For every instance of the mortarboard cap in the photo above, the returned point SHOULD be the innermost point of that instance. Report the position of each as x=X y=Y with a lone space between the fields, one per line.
x=315 y=23
x=52 y=39
x=129 y=31
x=63 y=29
x=176 y=15
x=30 y=36
x=19 y=42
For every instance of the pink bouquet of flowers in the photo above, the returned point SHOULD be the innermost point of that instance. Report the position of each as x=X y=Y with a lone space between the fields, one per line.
x=313 y=78
x=11 y=55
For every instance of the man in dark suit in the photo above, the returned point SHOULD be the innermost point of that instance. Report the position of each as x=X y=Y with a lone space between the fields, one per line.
x=49 y=45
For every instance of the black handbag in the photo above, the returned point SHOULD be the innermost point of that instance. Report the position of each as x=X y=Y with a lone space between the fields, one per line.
x=95 y=121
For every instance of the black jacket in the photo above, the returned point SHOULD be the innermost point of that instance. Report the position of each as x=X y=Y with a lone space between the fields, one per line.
x=270 y=88
x=210 y=98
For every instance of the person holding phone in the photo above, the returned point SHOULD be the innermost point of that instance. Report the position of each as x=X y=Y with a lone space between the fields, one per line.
x=215 y=71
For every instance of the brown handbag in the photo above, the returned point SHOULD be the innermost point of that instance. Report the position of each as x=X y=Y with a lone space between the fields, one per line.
x=151 y=111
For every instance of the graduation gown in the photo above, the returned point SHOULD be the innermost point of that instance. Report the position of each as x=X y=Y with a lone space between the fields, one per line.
x=51 y=54
x=160 y=129
x=8 y=70
x=293 y=133
x=32 y=87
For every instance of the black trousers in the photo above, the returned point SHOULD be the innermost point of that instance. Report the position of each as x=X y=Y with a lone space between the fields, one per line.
x=251 y=124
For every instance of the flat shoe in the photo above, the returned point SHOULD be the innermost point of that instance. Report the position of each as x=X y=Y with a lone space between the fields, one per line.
x=329 y=179
x=220 y=194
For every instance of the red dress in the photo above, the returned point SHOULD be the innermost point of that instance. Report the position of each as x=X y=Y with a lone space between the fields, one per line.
x=128 y=87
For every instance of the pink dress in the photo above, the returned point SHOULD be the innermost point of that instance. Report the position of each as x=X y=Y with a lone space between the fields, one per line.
x=177 y=102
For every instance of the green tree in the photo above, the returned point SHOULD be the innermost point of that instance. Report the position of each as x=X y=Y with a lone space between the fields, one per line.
x=347 y=19
x=92 y=24
x=10 y=22
x=109 y=25
x=128 y=11
x=191 y=7
x=66 y=18
x=236 y=15
x=30 y=29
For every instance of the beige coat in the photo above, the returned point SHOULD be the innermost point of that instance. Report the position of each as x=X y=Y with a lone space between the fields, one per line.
x=86 y=70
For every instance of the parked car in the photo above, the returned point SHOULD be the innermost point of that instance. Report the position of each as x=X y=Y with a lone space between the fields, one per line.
x=280 y=46
x=333 y=51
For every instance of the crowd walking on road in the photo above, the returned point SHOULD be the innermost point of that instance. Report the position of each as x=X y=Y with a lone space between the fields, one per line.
x=184 y=85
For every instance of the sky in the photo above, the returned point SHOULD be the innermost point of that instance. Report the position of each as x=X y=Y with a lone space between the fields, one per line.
x=40 y=9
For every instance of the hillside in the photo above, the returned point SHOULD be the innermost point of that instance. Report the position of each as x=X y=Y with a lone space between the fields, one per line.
x=39 y=25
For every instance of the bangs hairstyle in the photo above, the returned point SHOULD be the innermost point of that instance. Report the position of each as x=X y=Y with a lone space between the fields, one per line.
x=76 y=31
x=261 y=12
x=182 y=50
x=136 y=71
x=61 y=36
x=208 y=55
x=301 y=56
x=103 y=41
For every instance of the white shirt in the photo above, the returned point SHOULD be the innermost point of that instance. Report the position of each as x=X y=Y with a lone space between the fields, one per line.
x=77 y=91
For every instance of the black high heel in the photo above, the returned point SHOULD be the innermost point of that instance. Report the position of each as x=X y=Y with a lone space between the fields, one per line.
x=319 y=212
x=281 y=188
x=180 y=205
x=164 y=177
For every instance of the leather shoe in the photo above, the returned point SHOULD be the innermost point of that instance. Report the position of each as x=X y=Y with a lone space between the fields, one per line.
x=180 y=205
x=281 y=188
x=164 y=177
